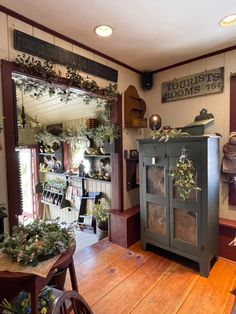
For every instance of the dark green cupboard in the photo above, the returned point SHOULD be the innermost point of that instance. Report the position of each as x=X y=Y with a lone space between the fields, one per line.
x=188 y=228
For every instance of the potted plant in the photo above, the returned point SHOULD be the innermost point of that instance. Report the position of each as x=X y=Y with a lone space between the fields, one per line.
x=2 y=216
x=100 y=213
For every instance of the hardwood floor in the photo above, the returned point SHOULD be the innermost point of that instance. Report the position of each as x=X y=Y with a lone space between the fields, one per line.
x=114 y=280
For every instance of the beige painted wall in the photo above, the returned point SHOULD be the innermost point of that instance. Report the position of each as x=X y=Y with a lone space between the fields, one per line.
x=125 y=78
x=182 y=112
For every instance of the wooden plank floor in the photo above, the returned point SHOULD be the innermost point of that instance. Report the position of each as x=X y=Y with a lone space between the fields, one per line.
x=115 y=280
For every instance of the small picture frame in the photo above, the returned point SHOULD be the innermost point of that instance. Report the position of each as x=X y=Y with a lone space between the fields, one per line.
x=133 y=153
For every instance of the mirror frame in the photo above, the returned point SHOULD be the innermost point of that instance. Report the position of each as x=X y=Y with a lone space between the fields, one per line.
x=12 y=161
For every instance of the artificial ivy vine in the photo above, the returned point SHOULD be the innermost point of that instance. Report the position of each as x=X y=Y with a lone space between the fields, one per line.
x=74 y=79
x=165 y=135
x=184 y=176
x=37 y=88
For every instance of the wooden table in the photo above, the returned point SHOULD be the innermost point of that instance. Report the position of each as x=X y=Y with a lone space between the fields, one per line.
x=11 y=283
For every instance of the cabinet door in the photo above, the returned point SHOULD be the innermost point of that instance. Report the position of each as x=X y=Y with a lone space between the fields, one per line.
x=185 y=216
x=154 y=199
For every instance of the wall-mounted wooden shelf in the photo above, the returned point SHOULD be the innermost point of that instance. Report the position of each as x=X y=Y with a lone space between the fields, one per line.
x=135 y=108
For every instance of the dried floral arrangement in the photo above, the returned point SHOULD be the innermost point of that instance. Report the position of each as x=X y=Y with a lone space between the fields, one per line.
x=21 y=304
x=29 y=244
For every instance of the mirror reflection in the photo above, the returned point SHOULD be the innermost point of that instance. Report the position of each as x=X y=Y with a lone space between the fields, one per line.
x=60 y=159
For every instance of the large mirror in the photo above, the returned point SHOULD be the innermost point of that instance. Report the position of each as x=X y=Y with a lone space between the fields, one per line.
x=29 y=160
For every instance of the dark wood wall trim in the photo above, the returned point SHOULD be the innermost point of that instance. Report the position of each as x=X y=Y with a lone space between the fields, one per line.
x=117 y=159
x=13 y=183
x=207 y=55
x=63 y=37
x=232 y=125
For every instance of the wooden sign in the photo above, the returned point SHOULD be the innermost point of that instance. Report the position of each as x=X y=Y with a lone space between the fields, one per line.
x=199 y=84
x=47 y=51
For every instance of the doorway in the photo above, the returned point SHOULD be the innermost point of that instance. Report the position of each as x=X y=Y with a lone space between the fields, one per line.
x=28 y=180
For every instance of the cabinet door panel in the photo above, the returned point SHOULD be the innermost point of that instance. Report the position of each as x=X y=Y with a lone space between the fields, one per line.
x=156 y=180
x=155 y=216
x=185 y=216
x=185 y=226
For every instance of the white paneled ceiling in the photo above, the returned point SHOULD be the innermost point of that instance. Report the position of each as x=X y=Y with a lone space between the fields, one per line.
x=50 y=110
x=148 y=34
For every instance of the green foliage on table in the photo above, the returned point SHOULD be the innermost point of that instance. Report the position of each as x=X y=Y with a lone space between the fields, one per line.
x=21 y=304
x=29 y=244
x=184 y=175
x=165 y=135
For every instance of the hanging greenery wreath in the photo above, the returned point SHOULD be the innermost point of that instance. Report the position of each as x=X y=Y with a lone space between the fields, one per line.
x=184 y=176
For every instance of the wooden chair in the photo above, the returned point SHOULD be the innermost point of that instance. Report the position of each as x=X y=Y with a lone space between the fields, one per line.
x=68 y=302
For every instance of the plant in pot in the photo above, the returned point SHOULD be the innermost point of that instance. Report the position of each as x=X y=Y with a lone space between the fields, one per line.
x=106 y=134
x=100 y=213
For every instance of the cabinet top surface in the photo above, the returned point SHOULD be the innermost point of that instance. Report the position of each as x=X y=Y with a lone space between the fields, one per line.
x=179 y=139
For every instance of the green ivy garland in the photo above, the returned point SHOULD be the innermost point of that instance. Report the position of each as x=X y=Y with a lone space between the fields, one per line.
x=165 y=135
x=107 y=133
x=48 y=139
x=184 y=175
x=36 y=88
x=46 y=69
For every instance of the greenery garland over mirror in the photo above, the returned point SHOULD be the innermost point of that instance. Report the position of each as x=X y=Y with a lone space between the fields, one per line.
x=74 y=79
x=36 y=88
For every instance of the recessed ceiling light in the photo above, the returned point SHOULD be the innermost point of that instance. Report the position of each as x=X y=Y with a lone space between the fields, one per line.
x=103 y=30
x=228 y=20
